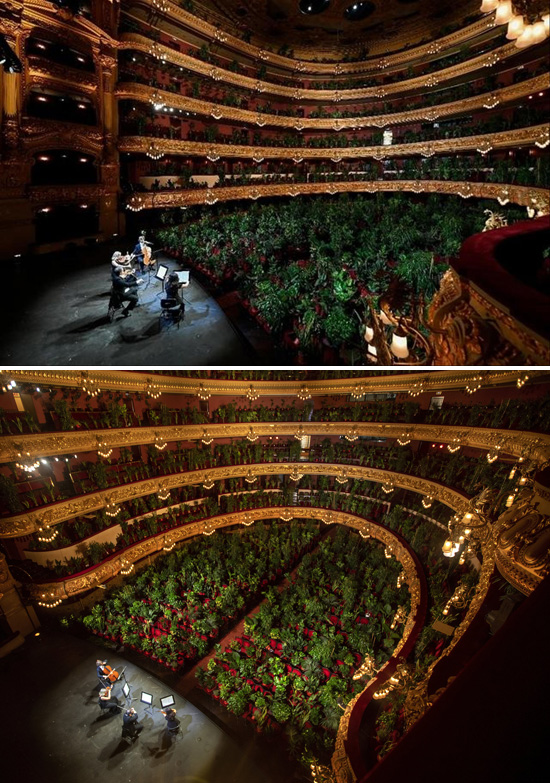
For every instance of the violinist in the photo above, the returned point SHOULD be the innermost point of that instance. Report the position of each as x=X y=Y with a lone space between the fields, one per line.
x=106 y=701
x=118 y=261
x=125 y=289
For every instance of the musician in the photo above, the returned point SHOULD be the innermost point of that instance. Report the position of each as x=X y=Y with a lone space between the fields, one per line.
x=106 y=701
x=172 y=288
x=130 y=723
x=125 y=289
x=142 y=253
x=171 y=721
x=102 y=672
x=118 y=261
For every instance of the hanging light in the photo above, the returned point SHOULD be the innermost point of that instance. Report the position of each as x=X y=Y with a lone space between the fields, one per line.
x=112 y=509
x=26 y=462
x=206 y=438
x=251 y=435
x=168 y=544
x=516 y=26
x=351 y=434
x=203 y=393
x=160 y=443
x=388 y=553
x=250 y=478
x=300 y=433
x=522 y=381
x=89 y=386
x=527 y=38
x=208 y=483
x=295 y=475
x=427 y=501
x=454 y=446
x=252 y=394
x=493 y=455
x=49 y=601
x=405 y=439
x=103 y=449
x=359 y=390
x=539 y=32
x=489 y=5
x=152 y=389
x=342 y=478
x=504 y=12
x=286 y=515
x=248 y=519
x=126 y=567
x=163 y=492
x=388 y=487
x=303 y=393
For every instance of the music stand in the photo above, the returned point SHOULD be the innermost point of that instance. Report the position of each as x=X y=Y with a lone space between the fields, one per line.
x=167 y=701
x=162 y=271
x=147 y=698
x=127 y=693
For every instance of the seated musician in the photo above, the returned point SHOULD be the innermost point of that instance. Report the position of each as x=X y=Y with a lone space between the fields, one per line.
x=102 y=671
x=118 y=261
x=172 y=288
x=142 y=253
x=125 y=289
x=130 y=725
x=106 y=701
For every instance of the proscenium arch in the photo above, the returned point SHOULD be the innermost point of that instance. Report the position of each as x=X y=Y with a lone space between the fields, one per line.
x=513 y=442
x=30 y=522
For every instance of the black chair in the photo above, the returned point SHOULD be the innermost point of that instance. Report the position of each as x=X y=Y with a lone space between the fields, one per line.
x=171 y=311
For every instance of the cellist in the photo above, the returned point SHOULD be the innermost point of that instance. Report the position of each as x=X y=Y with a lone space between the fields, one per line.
x=142 y=252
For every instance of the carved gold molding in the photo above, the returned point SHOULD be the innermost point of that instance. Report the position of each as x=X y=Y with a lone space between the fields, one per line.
x=50 y=134
x=145 y=93
x=31 y=521
x=488 y=59
x=513 y=442
x=418 y=698
x=429 y=382
x=516 y=194
x=518 y=137
x=207 y=30
x=52 y=194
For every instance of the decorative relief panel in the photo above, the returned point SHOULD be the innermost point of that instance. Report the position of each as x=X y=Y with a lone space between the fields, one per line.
x=25 y=524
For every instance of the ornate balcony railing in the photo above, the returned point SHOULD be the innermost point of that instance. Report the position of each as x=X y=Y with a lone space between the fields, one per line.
x=502 y=96
x=514 y=442
x=520 y=137
x=486 y=60
x=44 y=518
x=524 y=196
x=433 y=49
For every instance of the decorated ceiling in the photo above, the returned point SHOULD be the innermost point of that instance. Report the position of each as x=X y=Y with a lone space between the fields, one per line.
x=339 y=27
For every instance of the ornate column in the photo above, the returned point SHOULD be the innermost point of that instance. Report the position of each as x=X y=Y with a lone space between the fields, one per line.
x=21 y=620
x=16 y=224
x=106 y=67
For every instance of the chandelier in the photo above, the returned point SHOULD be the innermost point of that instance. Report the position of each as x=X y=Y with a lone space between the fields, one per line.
x=405 y=439
x=388 y=487
x=351 y=434
x=153 y=151
x=89 y=386
x=295 y=475
x=248 y=519
x=49 y=601
x=454 y=445
x=152 y=389
x=286 y=515
x=303 y=393
x=527 y=25
x=126 y=567
x=168 y=543
x=112 y=508
x=427 y=501
x=206 y=438
x=163 y=493
x=203 y=393
x=136 y=204
x=358 y=391
x=252 y=394
x=103 y=449
x=160 y=443
x=342 y=478
x=395 y=340
x=300 y=433
x=252 y=435
x=208 y=482
x=250 y=478
x=26 y=462
x=472 y=527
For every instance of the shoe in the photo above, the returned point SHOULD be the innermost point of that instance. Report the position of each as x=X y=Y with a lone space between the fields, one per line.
x=111 y=314
x=126 y=313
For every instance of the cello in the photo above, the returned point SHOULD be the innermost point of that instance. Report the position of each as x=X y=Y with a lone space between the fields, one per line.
x=147 y=255
x=108 y=673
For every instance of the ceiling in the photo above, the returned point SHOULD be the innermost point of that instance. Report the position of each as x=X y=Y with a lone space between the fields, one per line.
x=388 y=26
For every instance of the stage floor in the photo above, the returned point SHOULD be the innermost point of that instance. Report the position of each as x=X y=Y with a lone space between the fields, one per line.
x=55 y=314
x=53 y=731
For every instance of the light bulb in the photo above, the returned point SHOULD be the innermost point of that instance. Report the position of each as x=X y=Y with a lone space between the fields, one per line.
x=526 y=38
x=504 y=12
x=516 y=26
x=399 y=346
x=488 y=5
x=539 y=32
